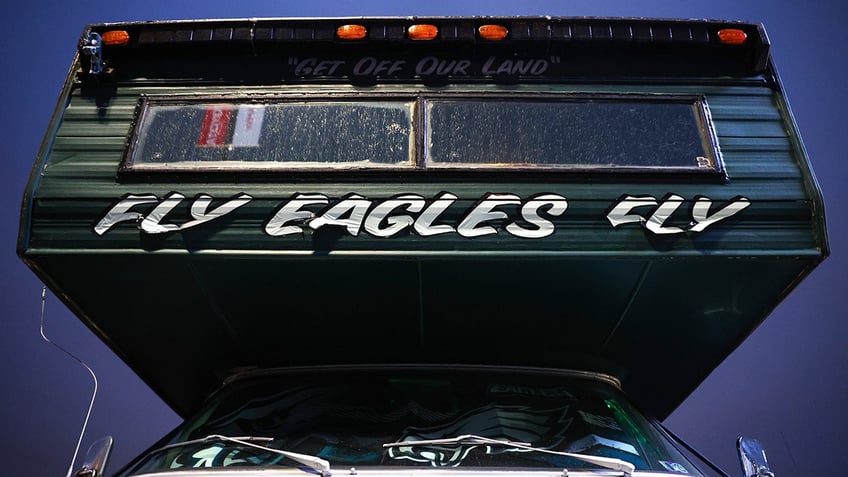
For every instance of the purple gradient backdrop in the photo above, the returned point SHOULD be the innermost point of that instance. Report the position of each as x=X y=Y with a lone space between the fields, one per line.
x=786 y=384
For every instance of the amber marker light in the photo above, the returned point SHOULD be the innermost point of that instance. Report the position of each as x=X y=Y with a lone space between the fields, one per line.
x=115 y=37
x=423 y=32
x=493 y=32
x=351 y=32
x=732 y=36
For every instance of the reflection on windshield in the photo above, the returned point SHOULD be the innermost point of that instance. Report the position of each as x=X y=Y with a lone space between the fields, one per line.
x=346 y=418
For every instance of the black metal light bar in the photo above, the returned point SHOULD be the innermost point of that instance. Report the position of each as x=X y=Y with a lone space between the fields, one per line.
x=724 y=48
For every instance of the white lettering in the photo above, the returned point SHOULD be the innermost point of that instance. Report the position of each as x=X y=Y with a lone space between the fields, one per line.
x=556 y=205
x=701 y=210
x=657 y=220
x=530 y=218
x=620 y=214
x=120 y=212
x=348 y=213
x=485 y=211
x=216 y=126
x=424 y=224
x=394 y=224
x=292 y=211
x=152 y=224
x=200 y=209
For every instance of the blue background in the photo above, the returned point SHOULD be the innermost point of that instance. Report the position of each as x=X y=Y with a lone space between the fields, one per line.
x=786 y=384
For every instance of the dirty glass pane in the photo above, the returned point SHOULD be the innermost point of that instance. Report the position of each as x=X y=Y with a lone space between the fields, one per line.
x=317 y=134
x=573 y=133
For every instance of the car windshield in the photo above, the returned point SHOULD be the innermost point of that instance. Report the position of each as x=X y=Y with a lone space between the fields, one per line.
x=347 y=417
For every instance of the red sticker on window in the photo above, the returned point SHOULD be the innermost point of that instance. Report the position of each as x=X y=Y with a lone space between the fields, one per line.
x=216 y=124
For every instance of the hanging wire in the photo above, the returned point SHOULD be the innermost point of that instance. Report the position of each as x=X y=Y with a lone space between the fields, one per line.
x=90 y=371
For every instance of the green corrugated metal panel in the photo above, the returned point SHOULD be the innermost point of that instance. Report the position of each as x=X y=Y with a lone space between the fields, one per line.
x=749 y=128
x=88 y=143
x=79 y=182
x=756 y=144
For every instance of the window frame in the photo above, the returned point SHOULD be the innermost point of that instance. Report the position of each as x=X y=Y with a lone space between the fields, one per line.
x=420 y=136
x=129 y=164
x=702 y=117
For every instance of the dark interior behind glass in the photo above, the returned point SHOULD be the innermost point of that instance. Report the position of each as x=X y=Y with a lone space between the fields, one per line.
x=346 y=417
x=600 y=133
x=662 y=133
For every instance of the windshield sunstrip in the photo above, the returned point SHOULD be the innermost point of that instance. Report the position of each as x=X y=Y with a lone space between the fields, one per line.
x=571 y=132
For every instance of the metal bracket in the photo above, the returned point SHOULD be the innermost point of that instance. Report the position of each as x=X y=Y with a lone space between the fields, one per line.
x=93 y=47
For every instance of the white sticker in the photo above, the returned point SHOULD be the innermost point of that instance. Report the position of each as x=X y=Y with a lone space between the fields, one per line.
x=592 y=440
x=673 y=467
x=248 y=125
x=600 y=421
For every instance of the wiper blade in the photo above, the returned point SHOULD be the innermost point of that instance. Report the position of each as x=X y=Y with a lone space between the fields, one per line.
x=213 y=437
x=470 y=439
x=467 y=439
x=311 y=461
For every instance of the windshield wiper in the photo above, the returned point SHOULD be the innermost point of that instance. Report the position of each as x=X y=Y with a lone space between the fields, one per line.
x=311 y=461
x=470 y=439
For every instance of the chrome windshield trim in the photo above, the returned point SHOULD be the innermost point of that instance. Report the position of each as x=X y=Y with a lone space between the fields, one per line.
x=405 y=472
x=524 y=370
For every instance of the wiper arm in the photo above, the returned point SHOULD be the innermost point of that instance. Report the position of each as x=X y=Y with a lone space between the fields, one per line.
x=470 y=439
x=311 y=461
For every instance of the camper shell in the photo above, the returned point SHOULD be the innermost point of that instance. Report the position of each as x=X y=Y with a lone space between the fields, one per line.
x=626 y=197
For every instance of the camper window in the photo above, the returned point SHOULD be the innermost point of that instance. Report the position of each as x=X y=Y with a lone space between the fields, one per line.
x=203 y=135
x=573 y=132
x=582 y=133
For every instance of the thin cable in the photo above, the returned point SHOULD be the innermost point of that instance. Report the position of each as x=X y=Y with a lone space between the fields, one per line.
x=90 y=371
